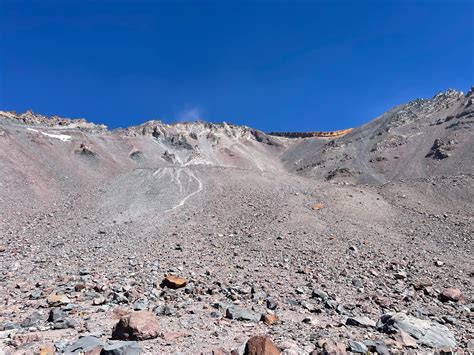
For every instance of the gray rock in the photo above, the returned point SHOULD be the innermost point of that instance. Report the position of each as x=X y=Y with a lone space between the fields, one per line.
x=357 y=347
x=189 y=288
x=362 y=322
x=140 y=306
x=164 y=310
x=320 y=294
x=56 y=315
x=32 y=320
x=377 y=346
x=83 y=344
x=271 y=304
x=242 y=314
x=122 y=348
x=427 y=333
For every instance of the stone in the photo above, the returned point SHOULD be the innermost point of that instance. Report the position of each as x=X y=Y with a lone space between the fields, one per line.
x=79 y=287
x=357 y=347
x=271 y=304
x=405 y=339
x=32 y=320
x=332 y=347
x=99 y=300
x=451 y=294
x=122 y=348
x=402 y=275
x=427 y=333
x=140 y=325
x=362 y=322
x=174 y=282
x=319 y=294
x=56 y=315
x=260 y=345
x=242 y=314
x=377 y=346
x=422 y=284
x=47 y=349
x=57 y=300
x=83 y=344
x=270 y=319
x=24 y=338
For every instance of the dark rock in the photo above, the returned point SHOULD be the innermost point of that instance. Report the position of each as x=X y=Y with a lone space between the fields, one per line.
x=357 y=347
x=122 y=348
x=362 y=322
x=84 y=344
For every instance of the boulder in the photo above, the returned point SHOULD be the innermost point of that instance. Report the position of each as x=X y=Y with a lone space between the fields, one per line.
x=260 y=345
x=362 y=322
x=83 y=345
x=451 y=294
x=174 y=282
x=425 y=332
x=122 y=348
x=243 y=314
x=140 y=325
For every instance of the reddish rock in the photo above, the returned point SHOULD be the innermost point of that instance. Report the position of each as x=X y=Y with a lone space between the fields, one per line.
x=270 y=319
x=405 y=340
x=174 y=282
x=79 y=287
x=137 y=326
x=46 y=349
x=330 y=347
x=451 y=294
x=170 y=336
x=260 y=345
x=57 y=300
x=24 y=338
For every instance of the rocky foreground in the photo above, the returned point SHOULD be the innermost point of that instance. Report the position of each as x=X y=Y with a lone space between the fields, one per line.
x=216 y=239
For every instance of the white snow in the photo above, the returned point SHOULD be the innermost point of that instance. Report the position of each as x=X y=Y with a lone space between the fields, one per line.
x=61 y=137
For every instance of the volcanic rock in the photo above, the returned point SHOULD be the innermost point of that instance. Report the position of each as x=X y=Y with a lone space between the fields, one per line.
x=260 y=345
x=140 y=325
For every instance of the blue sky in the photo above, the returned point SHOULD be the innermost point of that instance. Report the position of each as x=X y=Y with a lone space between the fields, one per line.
x=273 y=65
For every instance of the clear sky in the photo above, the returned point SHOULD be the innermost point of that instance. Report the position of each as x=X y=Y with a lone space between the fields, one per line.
x=272 y=65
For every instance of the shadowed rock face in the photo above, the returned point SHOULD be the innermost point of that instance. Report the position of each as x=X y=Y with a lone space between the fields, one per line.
x=262 y=235
x=330 y=134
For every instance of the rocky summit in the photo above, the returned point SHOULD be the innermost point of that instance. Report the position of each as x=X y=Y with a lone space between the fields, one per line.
x=209 y=238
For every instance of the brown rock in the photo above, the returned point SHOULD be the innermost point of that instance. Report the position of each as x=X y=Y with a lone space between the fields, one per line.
x=46 y=349
x=270 y=319
x=57 y=300
x=24 y=338
x=451 y=294
x=405 y=340
x=318 y=206
x=260 y=345
x=171 y=336
x=331 y=347
x=422 y=284
x=79 y=287
x=174 y=282
x=140 y=325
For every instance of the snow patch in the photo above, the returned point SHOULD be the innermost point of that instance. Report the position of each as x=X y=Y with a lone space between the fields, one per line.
x=61 y=137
